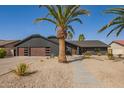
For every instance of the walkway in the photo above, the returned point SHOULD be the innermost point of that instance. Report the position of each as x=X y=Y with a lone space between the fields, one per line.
x=83 y=78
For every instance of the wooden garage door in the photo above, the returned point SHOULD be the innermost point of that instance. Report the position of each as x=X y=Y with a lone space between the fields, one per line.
x=38 y=52
x=21 y=51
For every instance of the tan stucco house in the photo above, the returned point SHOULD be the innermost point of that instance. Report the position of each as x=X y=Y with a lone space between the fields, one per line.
x=117 y=47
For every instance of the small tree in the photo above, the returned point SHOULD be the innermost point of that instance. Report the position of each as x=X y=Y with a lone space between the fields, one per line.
x=2 y=52
x=81 y=37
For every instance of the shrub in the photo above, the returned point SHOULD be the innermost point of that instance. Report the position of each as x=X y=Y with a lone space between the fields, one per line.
x=119 y=55
x=87 y=54
x=110 y=56
x=21 y=69
x=99 y=54
x=2 y=52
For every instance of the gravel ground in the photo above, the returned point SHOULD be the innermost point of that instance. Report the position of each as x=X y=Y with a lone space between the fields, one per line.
x=109 y=72
x=93 y=72
x=49 y=73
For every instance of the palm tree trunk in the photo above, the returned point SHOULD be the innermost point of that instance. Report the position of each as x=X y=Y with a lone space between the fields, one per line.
x=62 y=51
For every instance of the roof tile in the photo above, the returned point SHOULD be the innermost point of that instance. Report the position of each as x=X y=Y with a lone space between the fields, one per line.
x=119 y=41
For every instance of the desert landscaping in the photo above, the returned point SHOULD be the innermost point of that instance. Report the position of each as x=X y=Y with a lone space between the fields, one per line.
x=96 y=71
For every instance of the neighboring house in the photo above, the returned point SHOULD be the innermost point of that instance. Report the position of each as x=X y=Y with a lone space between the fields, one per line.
x=117 y=47
x=93 y=46
x=9 y=46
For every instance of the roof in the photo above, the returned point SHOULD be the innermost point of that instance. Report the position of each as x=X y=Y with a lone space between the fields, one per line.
x=86 y=43
x=89 y=43
x=34 y=42
x=57 y=42
x=5 y=42
x=121 y=42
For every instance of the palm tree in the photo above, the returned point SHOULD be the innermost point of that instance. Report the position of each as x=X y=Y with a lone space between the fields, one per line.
x=62 y=17
x=117 y=23
x=81 y=37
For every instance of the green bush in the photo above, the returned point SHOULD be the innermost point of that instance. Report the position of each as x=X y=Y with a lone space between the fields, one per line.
x=21 y=69
x=2 y=52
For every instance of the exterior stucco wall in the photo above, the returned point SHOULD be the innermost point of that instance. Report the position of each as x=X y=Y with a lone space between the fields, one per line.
x=117 y=48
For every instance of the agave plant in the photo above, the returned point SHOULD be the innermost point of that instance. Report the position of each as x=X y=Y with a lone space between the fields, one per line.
x=62 y=17
x=117 y=23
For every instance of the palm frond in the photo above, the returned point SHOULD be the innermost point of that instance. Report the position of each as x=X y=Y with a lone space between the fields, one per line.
x=75 y=20
x=80 y=12
x=62 y=16
x=71 y=29
x=44 y=19
x=119 y=31
x=117 y=27
x=69 y=35
x=68 y=9
x=69 y=14
x=103 y=28
x=119 y=11
x=52 y=12
x=112 y=23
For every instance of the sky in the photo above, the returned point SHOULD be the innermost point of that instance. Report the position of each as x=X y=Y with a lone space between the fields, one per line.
x=16 y=23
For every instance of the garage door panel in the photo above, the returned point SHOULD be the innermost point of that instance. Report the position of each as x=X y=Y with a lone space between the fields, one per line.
x=38 y=52
x=21 y=51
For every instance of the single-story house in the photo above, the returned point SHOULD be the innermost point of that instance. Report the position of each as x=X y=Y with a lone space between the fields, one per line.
x=9 y=46
x=93 y=46
x=37 y=45
x=117 y=47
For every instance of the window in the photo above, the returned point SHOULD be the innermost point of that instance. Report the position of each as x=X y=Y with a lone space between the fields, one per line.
x=47 y=50
x=26 y=51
